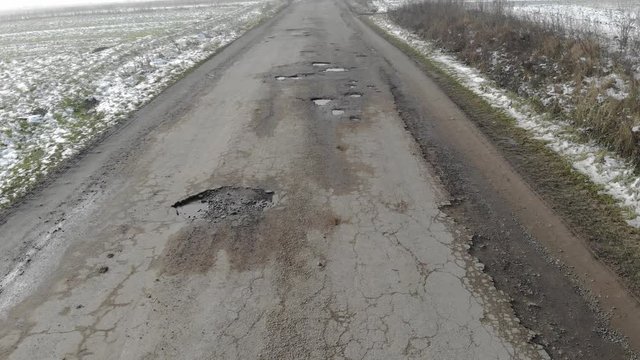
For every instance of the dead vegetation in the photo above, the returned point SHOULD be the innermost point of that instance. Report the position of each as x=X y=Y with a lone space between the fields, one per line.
x=573 y=74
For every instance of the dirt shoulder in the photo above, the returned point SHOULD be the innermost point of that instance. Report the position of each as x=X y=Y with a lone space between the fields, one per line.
x=536 y=224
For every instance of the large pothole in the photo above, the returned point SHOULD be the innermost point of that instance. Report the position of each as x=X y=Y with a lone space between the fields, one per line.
x=227 y=202
x=226 y=218
x=321 y=101
x=336 y=69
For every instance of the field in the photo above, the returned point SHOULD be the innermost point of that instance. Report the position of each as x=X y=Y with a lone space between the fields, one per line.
x=605 y=18
x=67 y=76
x=616 y=21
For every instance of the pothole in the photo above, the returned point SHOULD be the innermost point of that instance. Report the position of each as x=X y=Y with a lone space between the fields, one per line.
x=294 y=77
x=290 y=77
x=353 y=94
x=335 y=69
x=227 y=202
x=321 y=64
x=354 y=118
x=321 y=101
x=337 y=112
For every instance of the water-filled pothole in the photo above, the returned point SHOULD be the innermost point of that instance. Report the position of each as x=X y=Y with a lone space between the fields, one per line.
x=353 y=94
x=337 y=112
x=335 y=69
x=294 y=77
x=227 y=202
x=321 y=101
x=321 y=64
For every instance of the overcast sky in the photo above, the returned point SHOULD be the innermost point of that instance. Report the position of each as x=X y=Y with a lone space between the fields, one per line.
x=33 y=4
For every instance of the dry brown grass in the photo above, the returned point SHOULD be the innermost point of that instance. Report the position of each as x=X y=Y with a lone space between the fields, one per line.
x=534 y=56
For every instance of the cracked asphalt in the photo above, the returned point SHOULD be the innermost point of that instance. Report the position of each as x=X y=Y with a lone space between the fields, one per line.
x=351 y=259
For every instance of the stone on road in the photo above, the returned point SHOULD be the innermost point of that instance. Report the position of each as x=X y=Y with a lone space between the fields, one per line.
x=283 y=213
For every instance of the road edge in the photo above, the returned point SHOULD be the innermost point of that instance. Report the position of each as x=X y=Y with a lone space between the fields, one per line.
x=500 y=130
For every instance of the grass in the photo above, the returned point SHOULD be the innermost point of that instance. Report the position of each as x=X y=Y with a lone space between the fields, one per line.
x=528 y=56
x=30 y=170
x=593 y=215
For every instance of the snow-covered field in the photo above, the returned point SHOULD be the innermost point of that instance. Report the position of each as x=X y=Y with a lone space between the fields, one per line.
x=66 y=77
x=613 y=173
x=608 y=19
x=382 y=6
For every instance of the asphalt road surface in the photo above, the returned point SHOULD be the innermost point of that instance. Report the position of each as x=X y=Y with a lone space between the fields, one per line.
x=269 y=205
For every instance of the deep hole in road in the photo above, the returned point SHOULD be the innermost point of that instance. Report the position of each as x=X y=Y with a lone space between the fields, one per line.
x=227 y=202
x=294 y=77
x=321 y=101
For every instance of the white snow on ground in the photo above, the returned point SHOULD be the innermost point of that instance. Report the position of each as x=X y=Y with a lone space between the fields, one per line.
x=382 y=6
x=604 y=168
x=602 y=18
x=66 y=77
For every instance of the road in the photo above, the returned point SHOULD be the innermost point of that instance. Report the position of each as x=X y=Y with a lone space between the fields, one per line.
x=269 y=205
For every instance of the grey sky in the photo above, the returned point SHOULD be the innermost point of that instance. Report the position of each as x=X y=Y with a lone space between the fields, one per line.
x=31 y=4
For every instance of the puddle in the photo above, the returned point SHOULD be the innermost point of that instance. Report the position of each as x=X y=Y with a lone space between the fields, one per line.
x=337 y=112
x=321 y=101
x=335 y=69
x=321 y=64
x=224 y=202
x=294 y=77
